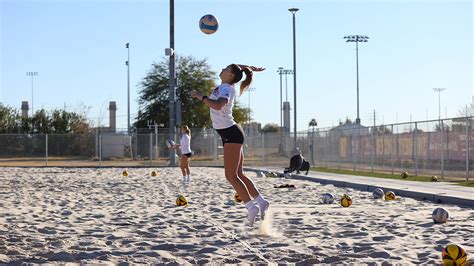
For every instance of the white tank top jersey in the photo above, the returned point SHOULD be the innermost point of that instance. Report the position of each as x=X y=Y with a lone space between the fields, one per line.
x=223 y=118
x=185 y=144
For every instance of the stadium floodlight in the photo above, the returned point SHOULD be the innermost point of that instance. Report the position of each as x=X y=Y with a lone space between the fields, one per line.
x=357 y=39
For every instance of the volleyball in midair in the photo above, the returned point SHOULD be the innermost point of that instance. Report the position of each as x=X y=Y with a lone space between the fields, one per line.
x=208 y=24
x=181 y=201
x=404 y=175
x=378 y=193
x=434 y=178
x=327 y=198
x=125 y=173
x=346 y=201
x=390 y=195
x=454 y=254
x=237 y=197
x=153 y=173
x=440 y=215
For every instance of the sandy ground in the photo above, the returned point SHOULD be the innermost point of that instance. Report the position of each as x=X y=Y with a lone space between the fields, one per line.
x=55 y=215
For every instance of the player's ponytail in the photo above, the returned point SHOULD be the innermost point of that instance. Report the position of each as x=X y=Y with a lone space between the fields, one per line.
x=248 y=79
x=237 y=71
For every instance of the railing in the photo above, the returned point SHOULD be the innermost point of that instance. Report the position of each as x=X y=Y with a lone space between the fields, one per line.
x=436 y=147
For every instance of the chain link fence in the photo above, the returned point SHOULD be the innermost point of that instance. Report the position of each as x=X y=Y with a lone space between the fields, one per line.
x=437 y=147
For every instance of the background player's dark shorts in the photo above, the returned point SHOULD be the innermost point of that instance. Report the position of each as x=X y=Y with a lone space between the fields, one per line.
x=233 y=134
x=188 y=154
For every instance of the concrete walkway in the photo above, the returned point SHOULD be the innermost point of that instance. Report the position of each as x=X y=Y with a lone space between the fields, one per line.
x=440 y=192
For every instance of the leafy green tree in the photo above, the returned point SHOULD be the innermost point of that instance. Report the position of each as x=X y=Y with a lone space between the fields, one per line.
x=68 y=122
x=9 y=118
x=384 y=130
x=192 y=74
x=270 y=127
x=43 y=122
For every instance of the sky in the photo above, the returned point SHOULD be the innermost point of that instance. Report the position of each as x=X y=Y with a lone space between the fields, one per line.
x=78 y=49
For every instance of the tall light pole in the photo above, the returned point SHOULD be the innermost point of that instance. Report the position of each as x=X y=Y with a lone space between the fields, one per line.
x=293 y=11
x=439 y=90
x=128 y=87
x=357 y=39
x=287 y=72
x=172 y=86
x=32 y=75
x=280 y=72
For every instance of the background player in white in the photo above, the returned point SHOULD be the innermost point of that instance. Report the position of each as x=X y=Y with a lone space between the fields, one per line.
x=220 y=104
x=186 y=153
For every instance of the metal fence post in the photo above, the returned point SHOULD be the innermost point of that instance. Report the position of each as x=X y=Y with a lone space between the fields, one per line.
x=442 y=150
x=151 y=149
x=315 y=143
x=156 y=142
x=372 y=152
x=96 y=139
x=391 y=148
x=415 y=147
x=263 y=148
x=353 y=153
x=467 y=148
x=399 y=164
x=326 y=148
x=46 y=149
x=382 y=156
x=338 y=139
x=100 y=149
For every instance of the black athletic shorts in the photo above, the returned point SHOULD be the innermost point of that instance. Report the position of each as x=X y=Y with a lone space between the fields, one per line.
x=188 y=154
x=233 y=134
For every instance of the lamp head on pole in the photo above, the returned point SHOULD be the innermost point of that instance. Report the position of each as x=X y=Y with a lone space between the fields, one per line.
x=293 y=10
x=31 y=74
x=356 y=38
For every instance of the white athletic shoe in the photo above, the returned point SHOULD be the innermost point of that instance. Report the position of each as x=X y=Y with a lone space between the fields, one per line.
x=253 y=214
x=264 y=209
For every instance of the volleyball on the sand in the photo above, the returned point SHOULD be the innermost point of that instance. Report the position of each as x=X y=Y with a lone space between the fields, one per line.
x=153 y=173
x=454 y=255
x=440 y=215
x=390 y=195
x=434 y=178
x=378 y=193
x=181 y=201
x=125 y=173
x=208 y=24
x=346 y=201
x=404 y=175
x=327 y=198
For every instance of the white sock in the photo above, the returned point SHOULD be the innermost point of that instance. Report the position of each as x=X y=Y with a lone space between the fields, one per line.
x=250 y=204
x=187 y=178
x=184 y=178
x=260 y=200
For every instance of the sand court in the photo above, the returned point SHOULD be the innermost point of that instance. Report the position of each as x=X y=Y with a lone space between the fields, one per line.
x=97 y=216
